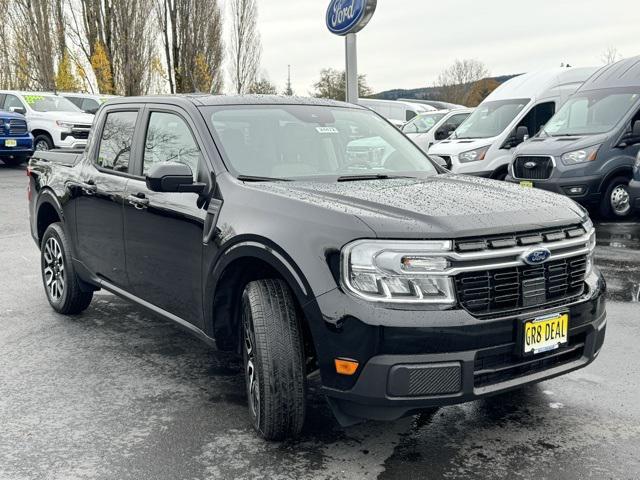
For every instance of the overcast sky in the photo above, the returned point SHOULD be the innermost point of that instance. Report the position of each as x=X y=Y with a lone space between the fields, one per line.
x=408 y=42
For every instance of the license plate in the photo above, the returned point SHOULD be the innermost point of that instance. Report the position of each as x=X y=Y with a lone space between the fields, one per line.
x=10 y=143
x=546 y=333
x=526 y=184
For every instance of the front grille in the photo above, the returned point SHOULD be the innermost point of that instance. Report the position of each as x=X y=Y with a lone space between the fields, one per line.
x=80 y=132
x=533 y=168
x=17 y=127
x=503 y=290
x=503 y=364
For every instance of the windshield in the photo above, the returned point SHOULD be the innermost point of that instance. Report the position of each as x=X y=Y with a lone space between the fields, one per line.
x=592 y=112
x=50 y=103
x=491 y=118
x=302 y=141
x=423 y=123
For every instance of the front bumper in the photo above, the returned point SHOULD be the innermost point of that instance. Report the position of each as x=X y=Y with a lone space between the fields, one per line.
x=67 y=140
x=634 y=192
x=436 y=358
x=23 y=148
x=590 y=187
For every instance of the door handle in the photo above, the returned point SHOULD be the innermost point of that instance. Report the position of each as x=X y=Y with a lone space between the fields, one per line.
x=139 y=201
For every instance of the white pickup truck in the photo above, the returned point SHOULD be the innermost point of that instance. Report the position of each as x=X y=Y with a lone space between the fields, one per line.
x=54 y=121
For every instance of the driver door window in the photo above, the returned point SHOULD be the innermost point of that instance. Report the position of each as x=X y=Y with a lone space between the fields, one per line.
x=169 y=139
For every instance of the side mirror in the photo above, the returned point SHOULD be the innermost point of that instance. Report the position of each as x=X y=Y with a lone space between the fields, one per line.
x=632 y=137
x=410 y=128
x=444 y=132
x=522 y=134
x=636 y=129
x=440 y=161
x=172 y=177
x=20 y=110
x=92 y=111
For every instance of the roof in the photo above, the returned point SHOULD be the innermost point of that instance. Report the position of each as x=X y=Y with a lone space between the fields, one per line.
x=536 y=84
x=625 y=73
x=213 y=100
x=24 y=92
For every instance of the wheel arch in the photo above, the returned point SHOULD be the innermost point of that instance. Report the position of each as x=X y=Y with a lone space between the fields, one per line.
x=623 y=171
x=243 y=262
x=48 y=211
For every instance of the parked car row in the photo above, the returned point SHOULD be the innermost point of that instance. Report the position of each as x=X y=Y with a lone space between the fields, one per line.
x=42 y=121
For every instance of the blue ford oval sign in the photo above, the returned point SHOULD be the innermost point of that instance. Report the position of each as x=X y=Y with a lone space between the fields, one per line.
x=349 y=16
x=536 y=256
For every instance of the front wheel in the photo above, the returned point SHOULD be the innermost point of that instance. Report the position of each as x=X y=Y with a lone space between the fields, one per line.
x=273 y=359
x=59 y=277
x=616 y=200
x=42 y=143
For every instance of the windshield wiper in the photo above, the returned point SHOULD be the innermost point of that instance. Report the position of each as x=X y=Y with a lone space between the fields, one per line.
x=375 y=176
x=253 y=178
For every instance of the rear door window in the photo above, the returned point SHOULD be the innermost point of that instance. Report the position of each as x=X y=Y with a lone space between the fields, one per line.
x=116 y=140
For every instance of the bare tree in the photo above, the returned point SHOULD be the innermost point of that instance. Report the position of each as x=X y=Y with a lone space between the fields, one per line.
x=245 y=46
x=117 y=38
x=6 y=54
x=457 y=80
x=610 y=55
x=192 y=41
x=34 y=29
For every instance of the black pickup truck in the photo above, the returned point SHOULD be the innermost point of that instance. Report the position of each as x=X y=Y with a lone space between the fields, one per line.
x=313 y=236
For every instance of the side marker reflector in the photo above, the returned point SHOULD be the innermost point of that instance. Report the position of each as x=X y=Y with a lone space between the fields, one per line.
x=345 y=366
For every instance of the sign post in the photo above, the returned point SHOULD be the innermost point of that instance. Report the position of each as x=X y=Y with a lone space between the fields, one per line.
x=346 y=18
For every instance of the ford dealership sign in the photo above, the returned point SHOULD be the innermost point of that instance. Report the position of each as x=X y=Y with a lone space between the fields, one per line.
x=349 y=16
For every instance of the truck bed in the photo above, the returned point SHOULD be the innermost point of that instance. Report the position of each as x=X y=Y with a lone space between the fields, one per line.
x=67 y=158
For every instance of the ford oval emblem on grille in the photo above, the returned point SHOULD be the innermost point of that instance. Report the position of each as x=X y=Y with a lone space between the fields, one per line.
x=530 y=165
x=536 y=256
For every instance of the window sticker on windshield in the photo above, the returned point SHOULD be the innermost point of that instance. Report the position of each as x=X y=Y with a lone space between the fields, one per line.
x=327 y=130
x=31 y=99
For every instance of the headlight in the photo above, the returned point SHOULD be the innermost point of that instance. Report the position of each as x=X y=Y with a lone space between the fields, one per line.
x=580 y=156
x=65 y=125
x=398 y=272
x=473 y=155
x=591 y=231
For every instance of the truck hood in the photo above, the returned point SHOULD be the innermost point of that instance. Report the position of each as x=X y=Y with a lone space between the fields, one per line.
x=6 y=115
x=443 y=206
x=455 y=146
x=557 y=146
x=72 y=117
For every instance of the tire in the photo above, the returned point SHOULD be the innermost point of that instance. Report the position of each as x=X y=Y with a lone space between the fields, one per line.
x=61 y=283
x=616 y=201
x=273 y=360
x=42 y=142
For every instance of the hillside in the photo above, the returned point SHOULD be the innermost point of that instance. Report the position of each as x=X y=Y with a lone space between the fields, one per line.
x=425 y=93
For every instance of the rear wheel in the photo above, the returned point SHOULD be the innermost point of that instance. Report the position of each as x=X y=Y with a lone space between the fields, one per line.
x=616 y=200
x=61 y=283
x=273 y=359
x=42 y=142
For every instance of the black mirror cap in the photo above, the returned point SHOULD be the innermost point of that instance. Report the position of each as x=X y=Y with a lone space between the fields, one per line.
x=522 y=133
x=440 y=161
x=172 y=177
x=636 y=129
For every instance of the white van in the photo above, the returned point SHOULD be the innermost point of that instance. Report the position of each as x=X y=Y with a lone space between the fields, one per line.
x=515 y=111
x=54 y=121
x=428 y=128
x=395 y=111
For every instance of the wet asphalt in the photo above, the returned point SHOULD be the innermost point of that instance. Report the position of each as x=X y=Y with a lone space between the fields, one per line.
x=117 y=393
